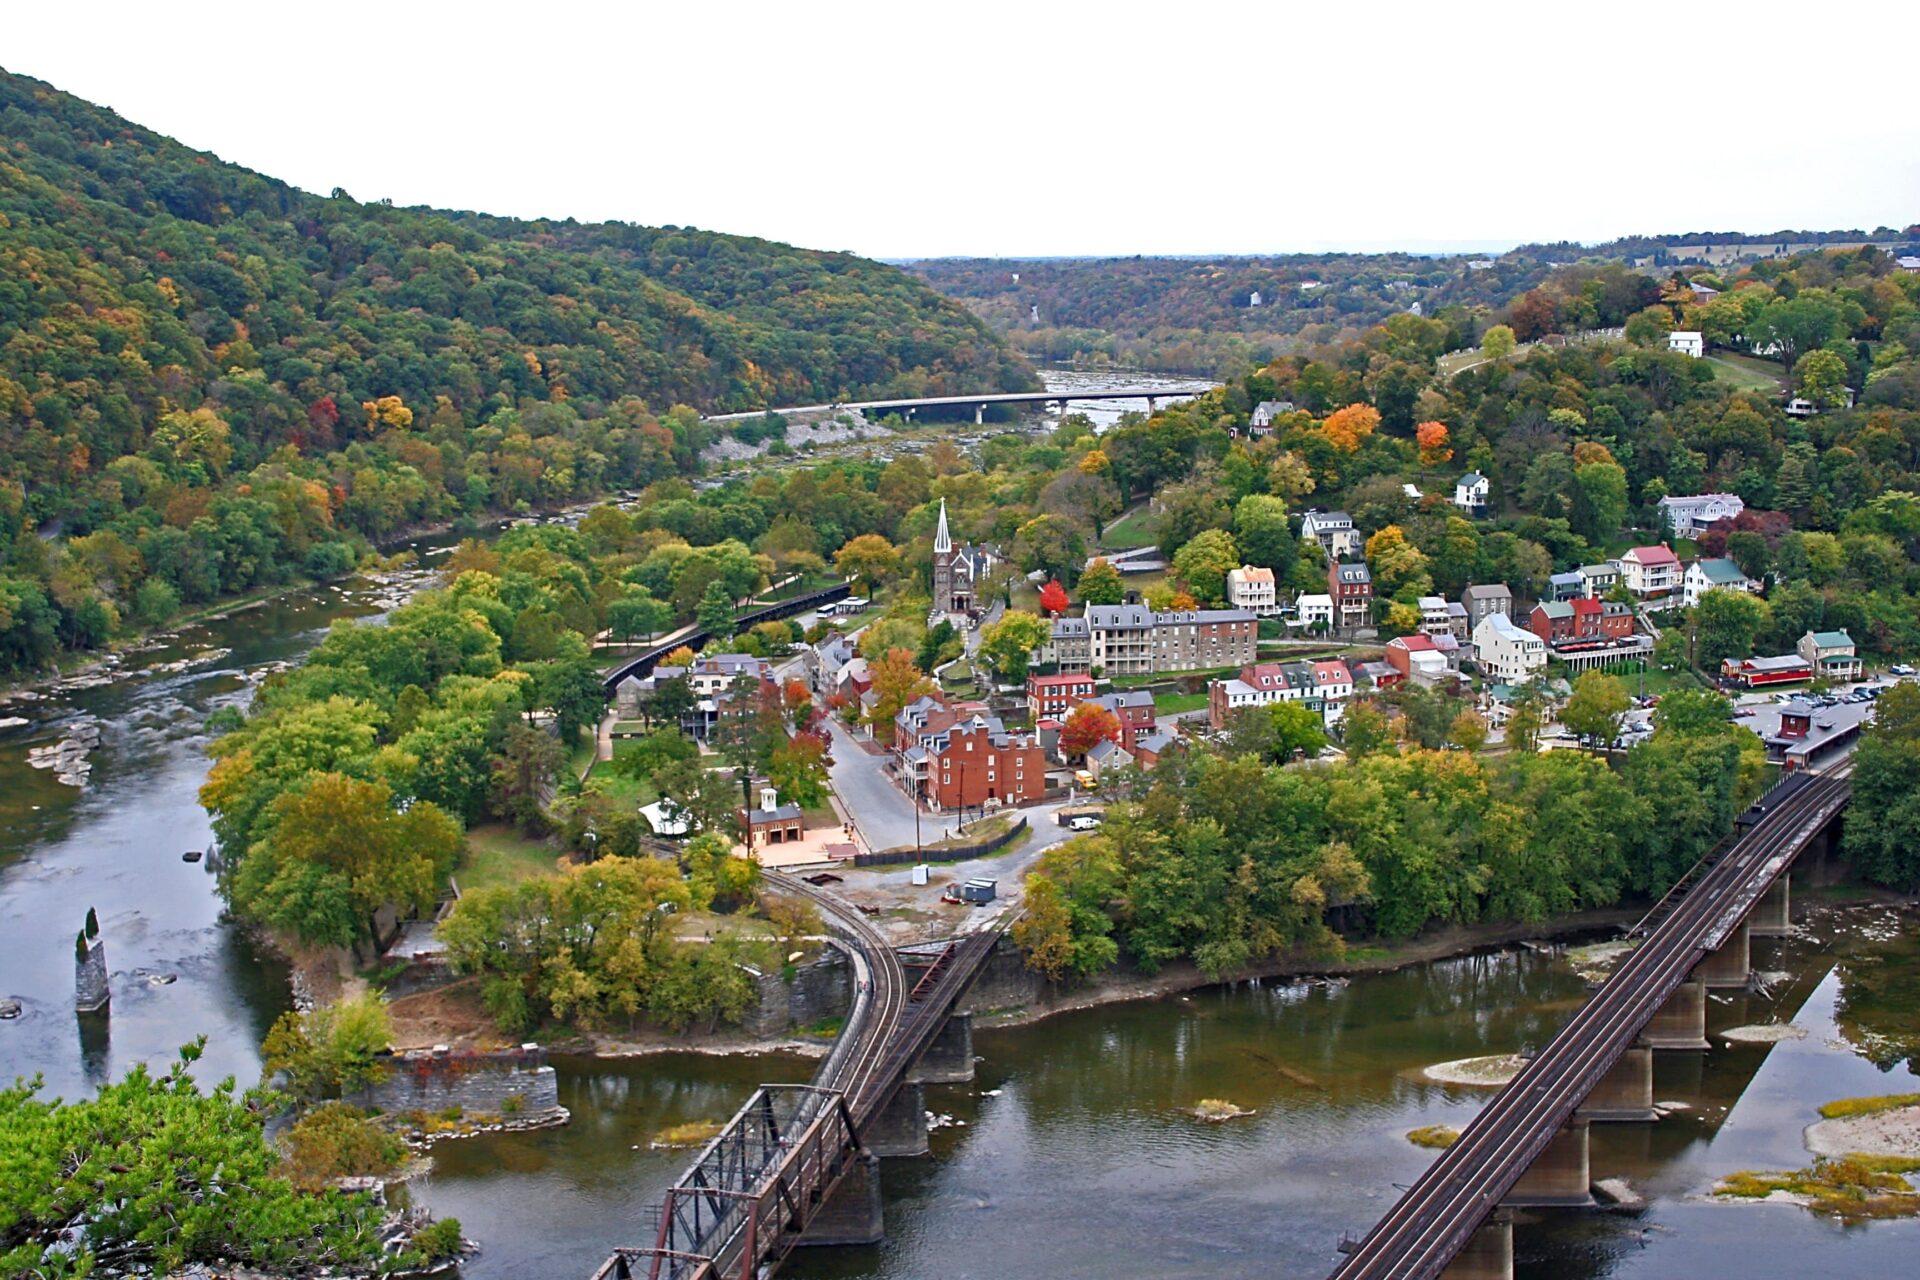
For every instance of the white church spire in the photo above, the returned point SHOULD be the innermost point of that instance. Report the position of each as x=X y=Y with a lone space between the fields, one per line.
x=942 y=540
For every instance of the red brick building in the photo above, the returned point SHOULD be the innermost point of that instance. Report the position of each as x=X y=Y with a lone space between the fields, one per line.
x=1351 y=587
x=929 y=716
x=1051 y=697
x=1134 y=710
x=1579 y=621
x=979 y=764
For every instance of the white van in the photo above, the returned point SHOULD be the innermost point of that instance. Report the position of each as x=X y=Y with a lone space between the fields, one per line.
x=1083 y=822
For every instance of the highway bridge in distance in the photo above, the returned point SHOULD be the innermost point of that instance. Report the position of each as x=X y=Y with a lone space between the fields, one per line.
x=1528 y=1145
x=979 y=403
x=797 y=1163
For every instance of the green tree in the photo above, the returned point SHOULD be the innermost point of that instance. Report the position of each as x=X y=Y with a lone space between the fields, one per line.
x=869 y=558
x=1007 y=645
x=1497 y=343
x=1882 y=836
x=335 y=852
x=715 y=613
x=1204 y=562
x=331 y=1049
x=1262 y=534
x=1821 y=377
x=1595 y=710
x=1101 y=584
x=1726 y=622
x=150 y=1171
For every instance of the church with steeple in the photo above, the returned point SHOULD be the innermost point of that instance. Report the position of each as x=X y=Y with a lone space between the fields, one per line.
x=959 y=572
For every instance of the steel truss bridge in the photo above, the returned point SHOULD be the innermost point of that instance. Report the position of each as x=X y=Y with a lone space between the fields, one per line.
x=751 y=1195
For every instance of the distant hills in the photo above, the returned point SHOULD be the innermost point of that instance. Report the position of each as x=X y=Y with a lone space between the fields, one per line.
x=1222 y=315
x=136 y=271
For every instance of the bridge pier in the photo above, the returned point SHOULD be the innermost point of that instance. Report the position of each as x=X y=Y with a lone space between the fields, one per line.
x=1731 y=964
x=852 y=1214
x=1680 y=1023
x=900 y=1127
x=1153 y=404
x=949 y=1059
x=1625 y=1093
x=1488 y=1255
x=1559 y=1178
x=979 y=415
x=1772 y=916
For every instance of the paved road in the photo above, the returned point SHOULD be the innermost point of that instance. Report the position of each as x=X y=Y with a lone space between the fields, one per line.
x=880 y=810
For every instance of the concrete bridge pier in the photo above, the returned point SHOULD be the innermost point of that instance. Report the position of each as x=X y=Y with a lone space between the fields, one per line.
x=852 y=1214
x=1488 y=1255
x=1681 y=1023
x=979 y=415
x=1731 y=965
x=1772 y=916
x=949 y=1059
x=1625 y=1093
x=1559 y=1177
x=900 y=1127
x=1153 y=404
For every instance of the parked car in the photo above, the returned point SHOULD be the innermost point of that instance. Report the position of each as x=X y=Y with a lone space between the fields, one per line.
x=1082 y=822
x=1901 y=669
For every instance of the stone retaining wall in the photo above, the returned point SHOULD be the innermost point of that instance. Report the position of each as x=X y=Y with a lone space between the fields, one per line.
x=820 y=989
x=436 y=1080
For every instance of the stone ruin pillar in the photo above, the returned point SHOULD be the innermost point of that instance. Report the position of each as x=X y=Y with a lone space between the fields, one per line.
x=90 y=990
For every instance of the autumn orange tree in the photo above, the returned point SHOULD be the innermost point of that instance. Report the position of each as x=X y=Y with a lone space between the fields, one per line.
x=896 y=682
x=1086 y=727
x=1053 y=597
x=1349 y=428
x=1434 y=443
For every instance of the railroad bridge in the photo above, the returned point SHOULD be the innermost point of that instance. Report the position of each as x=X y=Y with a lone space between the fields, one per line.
x=797 y=1164
x=1528 y=1147
x=643 y=663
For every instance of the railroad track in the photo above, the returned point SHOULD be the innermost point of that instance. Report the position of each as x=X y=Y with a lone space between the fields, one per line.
x=1423 y=1232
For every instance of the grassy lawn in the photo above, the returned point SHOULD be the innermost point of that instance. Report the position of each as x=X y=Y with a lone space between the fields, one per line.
x=498 y=854
x=1134 y=529
x=1167 y=704
x=1747 y=373
x=628 y=793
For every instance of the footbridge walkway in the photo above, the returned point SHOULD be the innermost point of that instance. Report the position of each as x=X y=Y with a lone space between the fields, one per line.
x=797 y=1163
x=1528 y=1146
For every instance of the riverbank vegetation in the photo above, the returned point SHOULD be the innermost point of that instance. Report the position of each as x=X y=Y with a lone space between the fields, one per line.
x=153 y=1172
x=1229 y=860
x=212 y=382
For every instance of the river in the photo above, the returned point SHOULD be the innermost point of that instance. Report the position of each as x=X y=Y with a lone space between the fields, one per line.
x=1070 y=1154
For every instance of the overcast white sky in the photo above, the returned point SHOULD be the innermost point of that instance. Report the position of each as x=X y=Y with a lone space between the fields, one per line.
x=910 y=129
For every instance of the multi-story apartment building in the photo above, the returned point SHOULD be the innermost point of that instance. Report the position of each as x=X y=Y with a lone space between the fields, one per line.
x=1351 y=587
x=1131 y=639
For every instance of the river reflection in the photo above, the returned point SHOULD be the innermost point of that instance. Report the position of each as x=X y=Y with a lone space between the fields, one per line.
x=1071 y=1154
x=178 y=969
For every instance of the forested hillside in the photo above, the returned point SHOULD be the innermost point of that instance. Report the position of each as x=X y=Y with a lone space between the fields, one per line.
x=211 y=381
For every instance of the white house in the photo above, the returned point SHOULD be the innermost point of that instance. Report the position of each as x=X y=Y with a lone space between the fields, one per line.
x=1650 y=571
x=1470 y=493
x=1688 y=342
x=1265 y=412
x=1312 y=610
x=1434 y=618
x=1704 y=575
x=1252 y=587
x=1689 y=515
x=1506 y=652
x=1333 y=530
